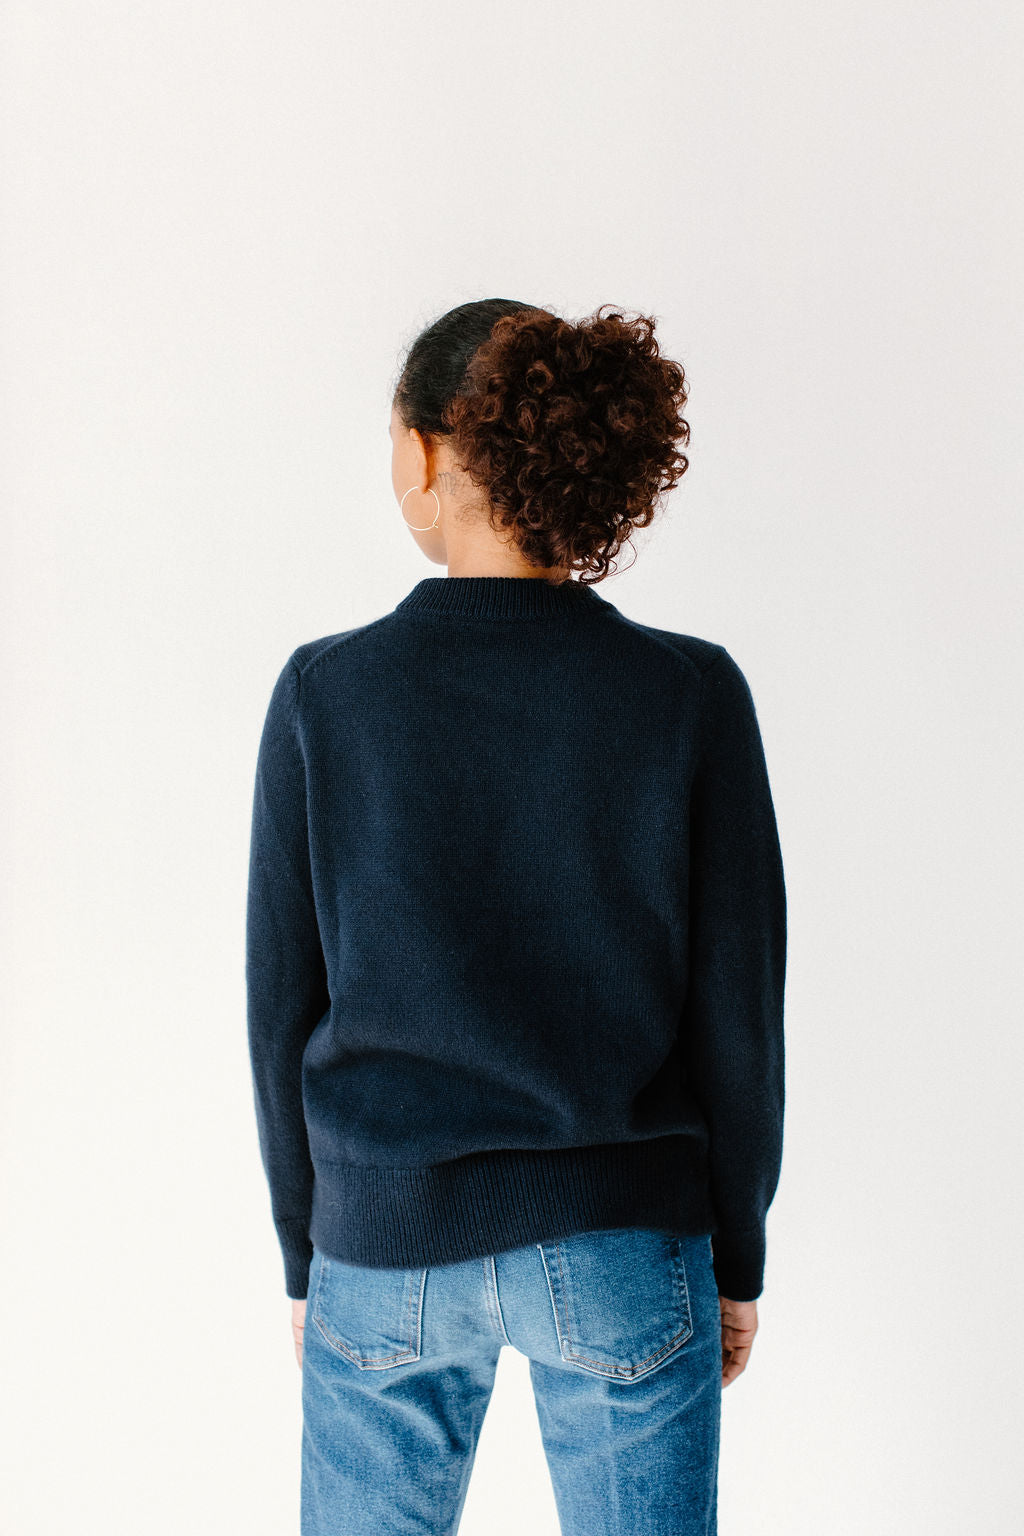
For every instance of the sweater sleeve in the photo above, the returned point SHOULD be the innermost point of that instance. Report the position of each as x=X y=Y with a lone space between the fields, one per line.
x=734 y=1008
x=286 y=980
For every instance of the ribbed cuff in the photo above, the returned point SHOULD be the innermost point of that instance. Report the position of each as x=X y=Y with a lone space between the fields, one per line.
x=738 y=1258
x=297 y=1252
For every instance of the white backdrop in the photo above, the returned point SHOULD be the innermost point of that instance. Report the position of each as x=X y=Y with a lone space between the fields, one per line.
x=221 y=225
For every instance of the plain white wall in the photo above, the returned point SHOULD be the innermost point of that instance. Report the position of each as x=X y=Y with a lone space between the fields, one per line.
x=221 y=224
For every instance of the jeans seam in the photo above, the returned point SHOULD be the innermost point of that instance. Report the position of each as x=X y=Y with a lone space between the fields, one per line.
x=493 y=1299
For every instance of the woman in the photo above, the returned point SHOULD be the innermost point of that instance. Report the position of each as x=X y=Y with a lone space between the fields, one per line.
x=515 y=961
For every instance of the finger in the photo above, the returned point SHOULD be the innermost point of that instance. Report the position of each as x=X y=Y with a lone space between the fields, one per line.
x=734 y=1362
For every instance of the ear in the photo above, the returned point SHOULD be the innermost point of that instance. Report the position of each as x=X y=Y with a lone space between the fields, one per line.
x=423 y=457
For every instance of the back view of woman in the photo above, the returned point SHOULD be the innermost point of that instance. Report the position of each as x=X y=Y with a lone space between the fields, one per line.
x=515 y=962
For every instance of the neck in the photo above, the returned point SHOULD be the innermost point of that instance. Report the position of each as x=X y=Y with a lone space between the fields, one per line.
x=501 y=597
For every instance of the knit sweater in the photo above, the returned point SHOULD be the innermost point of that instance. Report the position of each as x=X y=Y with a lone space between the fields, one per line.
x=515 y=935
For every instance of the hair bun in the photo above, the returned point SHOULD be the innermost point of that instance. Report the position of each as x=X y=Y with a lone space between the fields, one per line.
x=573 y=430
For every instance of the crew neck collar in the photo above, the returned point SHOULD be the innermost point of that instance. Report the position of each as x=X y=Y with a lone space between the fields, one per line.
x=500 y=597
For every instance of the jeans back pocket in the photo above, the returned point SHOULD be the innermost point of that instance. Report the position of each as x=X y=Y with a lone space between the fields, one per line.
x=371 y=1316
x=620 y=1299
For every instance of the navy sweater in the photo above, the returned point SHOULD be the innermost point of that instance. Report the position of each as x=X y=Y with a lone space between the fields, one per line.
x=515 y=936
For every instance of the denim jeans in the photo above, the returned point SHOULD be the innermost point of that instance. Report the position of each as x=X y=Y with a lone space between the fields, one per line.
x=622 y=1329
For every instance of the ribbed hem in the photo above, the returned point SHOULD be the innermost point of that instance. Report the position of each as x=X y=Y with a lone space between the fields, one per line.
x=501 y=597
x=492 y=1201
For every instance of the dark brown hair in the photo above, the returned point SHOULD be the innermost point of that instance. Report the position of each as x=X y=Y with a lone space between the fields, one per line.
x=573 y=430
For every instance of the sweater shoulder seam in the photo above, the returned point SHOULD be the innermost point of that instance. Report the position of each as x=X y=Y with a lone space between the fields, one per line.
x=669 y=640
x=306 y=656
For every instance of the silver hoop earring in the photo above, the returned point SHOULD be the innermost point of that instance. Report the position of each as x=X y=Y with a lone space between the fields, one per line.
x=437 y=514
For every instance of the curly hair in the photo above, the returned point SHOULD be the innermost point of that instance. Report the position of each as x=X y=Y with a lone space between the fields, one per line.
x=573 y=430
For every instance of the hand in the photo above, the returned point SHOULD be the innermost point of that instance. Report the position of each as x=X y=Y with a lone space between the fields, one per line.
x=299 y=1324
x=739 y=1324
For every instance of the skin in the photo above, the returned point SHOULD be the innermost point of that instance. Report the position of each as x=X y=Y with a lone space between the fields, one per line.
x=463 y=540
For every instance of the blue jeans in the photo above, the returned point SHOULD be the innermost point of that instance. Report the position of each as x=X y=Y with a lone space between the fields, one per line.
x=622 y=1329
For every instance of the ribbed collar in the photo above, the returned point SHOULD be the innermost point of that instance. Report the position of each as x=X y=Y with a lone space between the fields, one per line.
x=500 y=597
